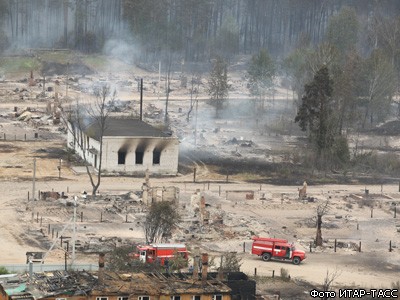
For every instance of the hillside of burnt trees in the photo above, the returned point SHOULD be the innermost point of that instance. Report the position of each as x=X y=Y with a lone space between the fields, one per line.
x=193 y=29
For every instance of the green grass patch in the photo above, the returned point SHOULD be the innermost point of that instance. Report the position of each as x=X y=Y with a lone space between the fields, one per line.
x=61 y=57
x=19 y=64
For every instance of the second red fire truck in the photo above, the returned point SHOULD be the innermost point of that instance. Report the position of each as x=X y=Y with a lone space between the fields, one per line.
x=277 y=249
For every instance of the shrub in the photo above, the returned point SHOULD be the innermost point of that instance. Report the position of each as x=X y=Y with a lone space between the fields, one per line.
x=3 y=270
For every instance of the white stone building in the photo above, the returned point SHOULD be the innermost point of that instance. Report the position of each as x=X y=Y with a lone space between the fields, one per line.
x=130 y=146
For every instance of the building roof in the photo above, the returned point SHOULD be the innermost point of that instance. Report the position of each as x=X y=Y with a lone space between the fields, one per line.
x=50 y=284
x=124 y=128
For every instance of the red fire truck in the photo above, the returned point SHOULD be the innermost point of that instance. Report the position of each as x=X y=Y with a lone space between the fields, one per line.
x=277 y=249
x=158 y=253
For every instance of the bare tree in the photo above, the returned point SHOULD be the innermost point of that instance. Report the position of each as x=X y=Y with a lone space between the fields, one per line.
x=194 y=92
x=322 y=210
x=329 y=279
x=160 y=221
x=87 y=121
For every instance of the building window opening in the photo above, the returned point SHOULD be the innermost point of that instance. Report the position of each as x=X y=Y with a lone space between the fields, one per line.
x=139 y=158
x=156 y=157
x=121 y=157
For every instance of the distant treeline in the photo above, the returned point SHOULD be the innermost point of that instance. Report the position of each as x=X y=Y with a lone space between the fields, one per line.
x=194 y=29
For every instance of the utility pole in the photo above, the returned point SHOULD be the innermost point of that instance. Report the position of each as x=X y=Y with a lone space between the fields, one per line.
x=141 y=99
x=195 y=123
x=33 y=180
x=66 y=81
x=159 y=78
x=74 y=233
x=59 y=169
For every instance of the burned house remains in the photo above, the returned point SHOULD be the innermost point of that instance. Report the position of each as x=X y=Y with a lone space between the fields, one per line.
x=130 y=146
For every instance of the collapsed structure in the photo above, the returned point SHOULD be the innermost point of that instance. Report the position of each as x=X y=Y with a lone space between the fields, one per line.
x=106 y=285
x=129 y=146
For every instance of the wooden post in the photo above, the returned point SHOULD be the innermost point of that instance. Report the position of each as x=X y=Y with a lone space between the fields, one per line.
x=372 y=212
x=273 y=273
x=48 y=229
x=244 y=247
x=310 y=247
x=219 y=190
x=255 y=271
x=37 y=217
x=390 y=246
x=81 y=216
x=359 y=247
x=38 y=194
x=52 y=233
x=335 y=245
x=357 y=226
x=395 y=211
x=194 y=174
x=126 y=219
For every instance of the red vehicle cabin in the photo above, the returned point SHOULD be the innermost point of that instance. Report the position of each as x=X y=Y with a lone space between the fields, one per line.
x=277 y=249
x=160 y=252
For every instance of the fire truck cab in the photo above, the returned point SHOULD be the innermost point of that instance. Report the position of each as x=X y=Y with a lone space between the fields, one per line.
x=277 y=249
x=159 y=253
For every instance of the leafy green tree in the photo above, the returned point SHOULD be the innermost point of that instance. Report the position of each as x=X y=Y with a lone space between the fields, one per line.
x=3 y=270
x=121 y=259
x=296 y=67
x=160 y=222
x=218 y=84
x=342 y=30
x=316 y=109
x=347 y=89
x=261 y=75
x=379 y=86
x=227 y=40
x=231 y=262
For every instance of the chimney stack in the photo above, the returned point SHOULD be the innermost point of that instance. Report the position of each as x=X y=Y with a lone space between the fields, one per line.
x=100 y=273
x=196 y=268
x=204 y=267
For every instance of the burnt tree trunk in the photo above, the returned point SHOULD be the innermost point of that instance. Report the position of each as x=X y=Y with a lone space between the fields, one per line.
x=318 y=239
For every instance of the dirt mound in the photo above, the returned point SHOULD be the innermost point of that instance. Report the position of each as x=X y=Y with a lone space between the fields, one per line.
x=54 y=68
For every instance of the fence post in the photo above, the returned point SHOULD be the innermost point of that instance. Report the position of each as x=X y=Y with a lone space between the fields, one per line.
x=255 y=271
x=335 y=245
x=244 y=247
x=310 y=247
x=359 y=247
x=390 y=246
x=273 y=273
